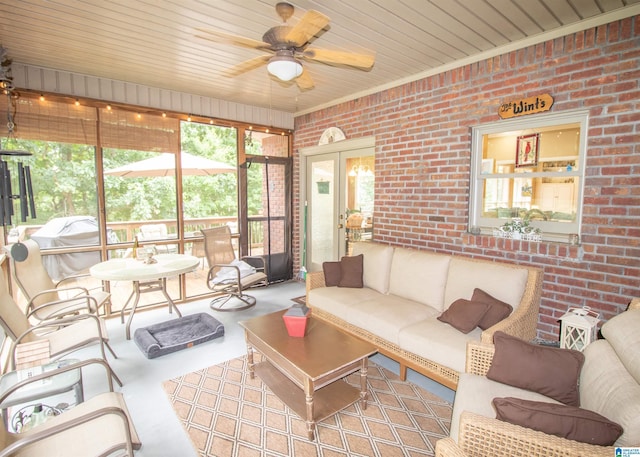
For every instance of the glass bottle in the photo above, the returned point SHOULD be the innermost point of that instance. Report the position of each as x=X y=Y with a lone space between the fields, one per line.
x=37 y=416
x=135 y=247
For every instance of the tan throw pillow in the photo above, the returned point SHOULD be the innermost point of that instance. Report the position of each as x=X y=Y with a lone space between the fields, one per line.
x=550 y=371
x=464 y=315
x=564 y=421
x=351 y=267
x=332 y=273
x=498 y=309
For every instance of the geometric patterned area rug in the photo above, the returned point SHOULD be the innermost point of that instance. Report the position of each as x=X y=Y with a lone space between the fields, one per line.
x=227 y=414
x=300 y=300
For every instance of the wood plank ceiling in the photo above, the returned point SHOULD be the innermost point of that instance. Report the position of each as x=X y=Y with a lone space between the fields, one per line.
x=154 y=42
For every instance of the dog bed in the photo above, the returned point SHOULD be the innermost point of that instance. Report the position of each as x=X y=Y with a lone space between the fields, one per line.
x=177 y=334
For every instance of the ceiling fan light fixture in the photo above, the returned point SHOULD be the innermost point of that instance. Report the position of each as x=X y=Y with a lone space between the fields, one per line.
x=284 y=67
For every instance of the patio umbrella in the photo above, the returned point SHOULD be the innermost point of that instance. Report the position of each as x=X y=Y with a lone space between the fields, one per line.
x=164 y=165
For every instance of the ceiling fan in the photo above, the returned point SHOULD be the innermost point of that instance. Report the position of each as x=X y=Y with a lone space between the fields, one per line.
x=287 y=46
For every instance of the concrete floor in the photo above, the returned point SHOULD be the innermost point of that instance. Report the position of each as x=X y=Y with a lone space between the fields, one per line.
x=159 y=428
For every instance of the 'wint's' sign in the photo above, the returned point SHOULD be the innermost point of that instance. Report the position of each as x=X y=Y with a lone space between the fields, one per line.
x=531 y=105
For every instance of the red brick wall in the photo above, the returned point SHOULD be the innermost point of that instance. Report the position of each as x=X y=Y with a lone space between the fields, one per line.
x=423 y=147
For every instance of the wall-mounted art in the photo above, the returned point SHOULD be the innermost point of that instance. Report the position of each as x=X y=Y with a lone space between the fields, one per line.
x=527 y=150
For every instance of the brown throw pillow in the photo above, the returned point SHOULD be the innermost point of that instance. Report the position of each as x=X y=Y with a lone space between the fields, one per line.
x=553 y=372
x=561 y=420
x=464 y=315
x=498 y=310
x=352 y=269
x=332 y=273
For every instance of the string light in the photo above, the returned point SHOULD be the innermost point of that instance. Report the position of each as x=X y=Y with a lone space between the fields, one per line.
x=41 y=97
x=77 y=102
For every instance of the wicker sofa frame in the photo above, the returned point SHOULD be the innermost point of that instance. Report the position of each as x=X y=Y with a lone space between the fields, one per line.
x=521 y=323
x=481 y=436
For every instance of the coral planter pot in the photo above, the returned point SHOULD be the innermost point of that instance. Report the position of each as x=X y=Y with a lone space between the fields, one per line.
x=295 y=319
x=296 y=326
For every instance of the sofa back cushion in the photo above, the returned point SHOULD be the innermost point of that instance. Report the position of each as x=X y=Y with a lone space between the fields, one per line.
x=502 y=281
x=419 y=276
x=376 y=264
x=607 y=388
x=622 y=333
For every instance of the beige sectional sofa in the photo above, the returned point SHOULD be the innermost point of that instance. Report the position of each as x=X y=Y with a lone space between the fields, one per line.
x=609 y=384
x=404 y=292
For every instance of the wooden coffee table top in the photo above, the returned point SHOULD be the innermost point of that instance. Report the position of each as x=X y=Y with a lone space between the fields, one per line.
x=323 y=349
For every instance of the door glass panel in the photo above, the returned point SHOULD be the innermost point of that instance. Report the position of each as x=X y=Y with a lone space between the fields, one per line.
x=266 y=144
x=267 y=215
x=322 y=212
x=359 y=193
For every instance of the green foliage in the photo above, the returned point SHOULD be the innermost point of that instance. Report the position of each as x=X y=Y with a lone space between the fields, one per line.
x=65 y=184
x=518 y=225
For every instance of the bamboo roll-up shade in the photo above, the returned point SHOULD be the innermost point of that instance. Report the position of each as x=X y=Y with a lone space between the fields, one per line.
x=51 y=121
x=66 y=122
x=121 y=129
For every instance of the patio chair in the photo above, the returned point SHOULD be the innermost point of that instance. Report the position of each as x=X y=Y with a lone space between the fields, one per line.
x=64 y=334
x=229 y=277
x=99 y=426
x=157 y=232
x=39 y=289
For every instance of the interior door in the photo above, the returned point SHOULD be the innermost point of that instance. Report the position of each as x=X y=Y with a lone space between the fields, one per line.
x=339 y=192
x=323 y=216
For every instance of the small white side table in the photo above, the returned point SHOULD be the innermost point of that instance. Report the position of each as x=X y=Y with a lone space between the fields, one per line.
x=58 y=384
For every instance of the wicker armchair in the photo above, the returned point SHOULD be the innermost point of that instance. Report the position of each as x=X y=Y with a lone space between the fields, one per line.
x=481 y=436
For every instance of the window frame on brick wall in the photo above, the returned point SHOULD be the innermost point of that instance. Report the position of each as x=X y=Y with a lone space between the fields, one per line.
x=483 y=171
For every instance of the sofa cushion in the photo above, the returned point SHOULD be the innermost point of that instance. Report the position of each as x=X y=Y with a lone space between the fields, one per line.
x=419 y=276
x=387 y=315
x=376 y=264
x=565 y=421
x=607 y=388
x=340 y=301
x=504 y=282
x=553 y=372
x=438 y=342
x=332 y=273
x=497 y=311
x=382 y=315
x=475 y=393
x=351 y=271
x=622 y=333
x=464 y=315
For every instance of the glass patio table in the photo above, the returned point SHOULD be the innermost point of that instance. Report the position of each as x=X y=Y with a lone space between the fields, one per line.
x=145 y=277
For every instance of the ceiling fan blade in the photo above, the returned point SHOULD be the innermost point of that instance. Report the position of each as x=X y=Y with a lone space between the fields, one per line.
x=310 y=24
x=227 y=38
x=246 y=66
x=304 y=81
x=362 y=61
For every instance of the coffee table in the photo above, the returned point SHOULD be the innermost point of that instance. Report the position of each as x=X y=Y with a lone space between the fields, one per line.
x=306 y=373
